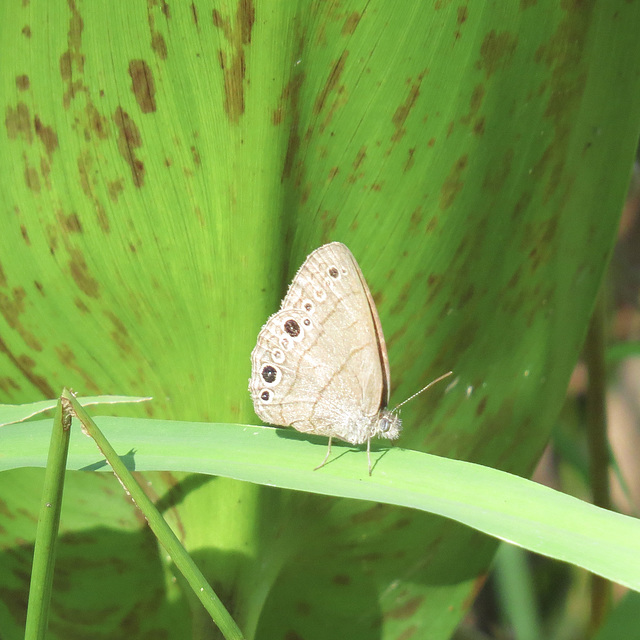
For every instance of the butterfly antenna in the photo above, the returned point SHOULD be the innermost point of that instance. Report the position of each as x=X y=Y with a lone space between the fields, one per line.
x=442 y=377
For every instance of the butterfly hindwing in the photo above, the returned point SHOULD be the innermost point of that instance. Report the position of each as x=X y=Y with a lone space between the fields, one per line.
x=320 y=363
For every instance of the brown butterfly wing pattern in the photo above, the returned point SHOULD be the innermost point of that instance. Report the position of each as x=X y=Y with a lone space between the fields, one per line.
x=320 y=363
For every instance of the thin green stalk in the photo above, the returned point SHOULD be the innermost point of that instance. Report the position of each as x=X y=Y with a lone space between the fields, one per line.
x=515 y=591
x=160 y=528
x=598 y=444
x=44 y=553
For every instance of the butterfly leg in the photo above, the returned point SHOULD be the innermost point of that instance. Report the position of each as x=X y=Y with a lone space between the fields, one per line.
x=326 y=457
x=369 y=453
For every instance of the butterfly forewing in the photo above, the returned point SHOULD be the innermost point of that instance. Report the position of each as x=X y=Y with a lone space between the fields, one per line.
x=320 y=363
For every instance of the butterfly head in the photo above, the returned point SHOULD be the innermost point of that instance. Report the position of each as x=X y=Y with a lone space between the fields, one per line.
x=389 y=425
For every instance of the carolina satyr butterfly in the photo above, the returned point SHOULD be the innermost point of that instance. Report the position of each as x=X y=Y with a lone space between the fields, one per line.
x=320 y=364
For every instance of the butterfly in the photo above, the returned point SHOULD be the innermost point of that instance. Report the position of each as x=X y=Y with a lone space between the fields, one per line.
x=320 y=364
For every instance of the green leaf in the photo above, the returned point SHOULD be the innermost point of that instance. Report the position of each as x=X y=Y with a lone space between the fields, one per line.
x=502 y=505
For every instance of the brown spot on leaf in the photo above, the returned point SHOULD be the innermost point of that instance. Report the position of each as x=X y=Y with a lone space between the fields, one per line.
x=341 y=580
x=25 y=365
x=129 y=140
x=26 y=31
x=482 y=405
x=47 y=135
x=68 y=360
x=70 y=223
x=351 y=23
x=18 y=123
x=142 y=85
x=498 y=172
x=496 y=52
x=331 y=83
x=232 y=63
x=463 y=13
x=115 y=188
x=453 y=183
x=407 y=609
x=12 y=306
x=80 y=273
x=159 y=45
x=401 y=114
x=22 y=82
x=31 y=178
x=410 y=160
x=475 y=102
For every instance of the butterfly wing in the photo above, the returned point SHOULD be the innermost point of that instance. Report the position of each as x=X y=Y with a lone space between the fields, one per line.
x=320 y=363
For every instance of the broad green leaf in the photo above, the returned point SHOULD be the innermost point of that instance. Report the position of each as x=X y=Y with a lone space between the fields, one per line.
x=165 y=168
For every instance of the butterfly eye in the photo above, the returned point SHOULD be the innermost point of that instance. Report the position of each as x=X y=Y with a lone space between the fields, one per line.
x=384 y=425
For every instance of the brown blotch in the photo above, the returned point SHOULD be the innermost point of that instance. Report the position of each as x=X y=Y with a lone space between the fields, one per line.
x=31 y=178
x=47 y=135
x=374 y=514
x=129 y=139
x=159 y=45
x=97 y=122
x=410 y=160
x=408 y=633
x=401 y=114
x=22 y=82
x=233 y=65
x=70 y=223
x=68 y=359
x=482 y=405
x=195 y=154
x=475 y=102
x=26 y=31
x=341 y=579
x=25 y=365
x=406 y=610
x=416 y=218
x=359 y=159
x=497 y=173
x=351 y=23
x=496 y=52
x=12 y=306
x=39 y=287
x=25 y=235
x=333 y=172
x=80 y=273
x=120 y=335
x=114 y=189
x=18 y=123
x=331 y=83
x=453 y=183
x=143 y=85
x=463 y=13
